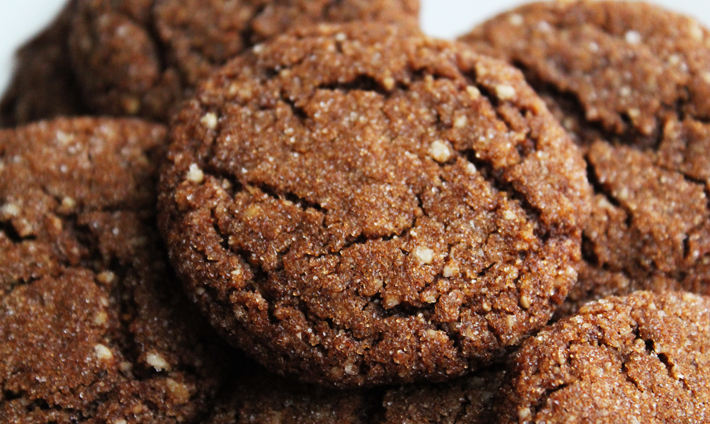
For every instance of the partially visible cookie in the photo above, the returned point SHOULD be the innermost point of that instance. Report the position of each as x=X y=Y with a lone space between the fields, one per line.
x=469 y=400
x=353 y=205
x=142 y=57
x=92 y=327
x=641 y=358
x=631 y=82
x=43 y=84
x=261 y=397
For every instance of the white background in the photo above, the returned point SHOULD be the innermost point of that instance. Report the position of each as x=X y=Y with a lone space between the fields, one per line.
x=20 y=19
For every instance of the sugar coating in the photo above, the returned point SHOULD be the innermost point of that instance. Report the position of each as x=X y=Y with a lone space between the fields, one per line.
x=85 y=294
x=638 y=359
x=634 y=93
x=140 y=58
x=360 y=210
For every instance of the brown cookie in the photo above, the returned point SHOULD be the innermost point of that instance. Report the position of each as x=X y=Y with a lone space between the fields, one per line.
x=636 y=359
x=631 y=82
x=43 y=85
x=355 y=206
x=467 y=400
x=142 y=57
x=91 y=327
x=262 y=397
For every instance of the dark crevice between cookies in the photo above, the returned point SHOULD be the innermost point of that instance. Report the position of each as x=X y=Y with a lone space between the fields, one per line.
x=375 y=410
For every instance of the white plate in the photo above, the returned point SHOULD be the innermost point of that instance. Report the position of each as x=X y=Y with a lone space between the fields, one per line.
x=19 y=20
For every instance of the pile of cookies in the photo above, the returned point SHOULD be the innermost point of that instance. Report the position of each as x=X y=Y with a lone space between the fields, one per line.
x=307 y=211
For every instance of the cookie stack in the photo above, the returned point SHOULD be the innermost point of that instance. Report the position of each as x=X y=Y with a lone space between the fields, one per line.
x=514 y=227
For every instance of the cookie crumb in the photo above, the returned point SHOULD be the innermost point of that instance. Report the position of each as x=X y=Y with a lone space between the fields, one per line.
x=9 y=210
x=473 y=92
x=460 y=122
x=633 y=37
x=505 y=92
x=180 y=393
x=209 y=120
x=451 y=270
x=68 y=203
x=156 y=361
x=103 y=353
x=101 y=318
x=516 y=19
x=106 y=277
x=195 y=174
x=424 y=255
x=439 y=151
x=525 y=302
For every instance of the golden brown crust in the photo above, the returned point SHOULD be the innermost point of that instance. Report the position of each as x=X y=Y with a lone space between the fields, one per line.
x=142 y=57
x=640 y=358
x=356 y=207
x=630 y=82
x=91 y=328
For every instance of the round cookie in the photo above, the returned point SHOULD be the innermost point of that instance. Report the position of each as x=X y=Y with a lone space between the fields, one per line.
x=630 y=82
x=261 y=397
x=355 y=206
x=43 y=85
x=91 y=327
x=641 y=358
x=142 y=57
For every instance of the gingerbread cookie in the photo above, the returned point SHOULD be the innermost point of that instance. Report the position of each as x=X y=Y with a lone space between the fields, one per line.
x=142 y=57
x=43 y=85
x=92 y=328
x=641 y=358
x=259 y=396
x=355 y=206
x=630 y=82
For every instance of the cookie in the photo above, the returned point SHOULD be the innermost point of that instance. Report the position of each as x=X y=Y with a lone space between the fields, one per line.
x=467 y=400
x=641 y=358
x=142 y=57
x=355 y=206
x=43 y=85
x=262 y=397
x=91 y=327
x=630 y=82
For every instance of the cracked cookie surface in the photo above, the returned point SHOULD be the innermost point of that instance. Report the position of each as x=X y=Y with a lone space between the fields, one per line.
x=142 y=57
x=641 y=358
x=91 y=327
x=630 y=82
x=355 y=206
